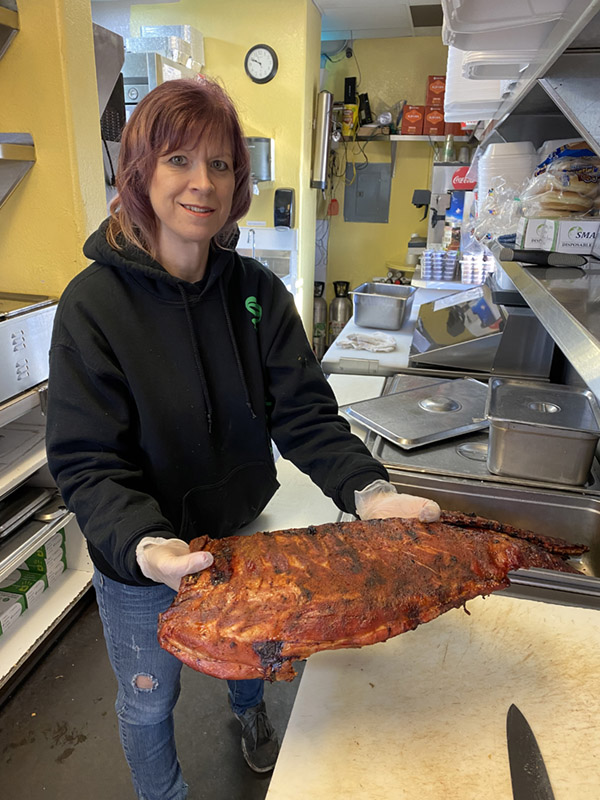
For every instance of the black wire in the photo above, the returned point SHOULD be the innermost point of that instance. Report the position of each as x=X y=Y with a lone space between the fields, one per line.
x=357 y=64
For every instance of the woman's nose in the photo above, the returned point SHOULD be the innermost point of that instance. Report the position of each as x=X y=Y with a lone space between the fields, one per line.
x=200 y=179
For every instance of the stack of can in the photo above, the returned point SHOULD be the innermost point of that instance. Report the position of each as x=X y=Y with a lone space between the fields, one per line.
x=476 y=267
x=438 y=265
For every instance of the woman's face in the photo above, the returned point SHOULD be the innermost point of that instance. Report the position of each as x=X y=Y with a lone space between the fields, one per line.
x=191 y=192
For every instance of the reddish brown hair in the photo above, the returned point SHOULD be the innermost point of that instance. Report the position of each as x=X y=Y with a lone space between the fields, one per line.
x=177 y=113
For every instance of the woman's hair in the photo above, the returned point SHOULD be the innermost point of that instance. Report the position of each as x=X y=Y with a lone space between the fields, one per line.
x=177 y=113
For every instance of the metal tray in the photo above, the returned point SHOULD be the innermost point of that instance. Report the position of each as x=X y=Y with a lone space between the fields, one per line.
x=466 y=457
x=430 y=411
x=567 y=516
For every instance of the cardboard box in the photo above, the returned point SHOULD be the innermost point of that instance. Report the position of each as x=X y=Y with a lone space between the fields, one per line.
x=30 y=585
x=412 y=120
x=453 y=129
x=569 y=235
x=433 y=122
x=55 y=570
x=41 y=565
x=11 y=608
x=54 y=543
x=529 y=233
x=436 y=89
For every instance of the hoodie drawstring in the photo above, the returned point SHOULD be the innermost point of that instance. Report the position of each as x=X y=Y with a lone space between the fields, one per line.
x=197 y=357
x=236 y=351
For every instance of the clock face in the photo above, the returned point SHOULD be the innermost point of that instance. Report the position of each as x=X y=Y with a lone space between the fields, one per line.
x=261 y=63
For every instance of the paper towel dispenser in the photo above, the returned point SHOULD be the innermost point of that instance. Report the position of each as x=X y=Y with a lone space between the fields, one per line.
x=262 y=158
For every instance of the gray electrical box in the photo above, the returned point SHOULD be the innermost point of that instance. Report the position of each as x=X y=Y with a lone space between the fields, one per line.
x=367 y=195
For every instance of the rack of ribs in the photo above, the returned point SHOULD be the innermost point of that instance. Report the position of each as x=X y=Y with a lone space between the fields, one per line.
x=276 y=597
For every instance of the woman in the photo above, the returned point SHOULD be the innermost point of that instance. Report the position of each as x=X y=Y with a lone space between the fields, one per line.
x=174 y=362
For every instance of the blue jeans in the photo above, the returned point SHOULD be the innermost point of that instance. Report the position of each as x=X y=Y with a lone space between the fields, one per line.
x=129 y=617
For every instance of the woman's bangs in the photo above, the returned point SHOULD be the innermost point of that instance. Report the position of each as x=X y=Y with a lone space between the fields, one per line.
x=187 y=133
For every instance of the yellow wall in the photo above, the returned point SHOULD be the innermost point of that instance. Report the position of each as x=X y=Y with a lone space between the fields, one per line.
x=390 y=70
x=281 y=109
x=48 y=89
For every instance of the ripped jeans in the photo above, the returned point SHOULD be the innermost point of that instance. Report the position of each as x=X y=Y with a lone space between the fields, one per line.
x=148 y=685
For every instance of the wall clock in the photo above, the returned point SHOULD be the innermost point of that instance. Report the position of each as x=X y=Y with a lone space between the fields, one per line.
x=261 y=63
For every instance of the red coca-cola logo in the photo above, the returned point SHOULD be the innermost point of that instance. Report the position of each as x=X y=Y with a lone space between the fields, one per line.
x=460 y=180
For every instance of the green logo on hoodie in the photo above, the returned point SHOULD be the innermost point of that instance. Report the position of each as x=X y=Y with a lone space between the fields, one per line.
x=255 y=309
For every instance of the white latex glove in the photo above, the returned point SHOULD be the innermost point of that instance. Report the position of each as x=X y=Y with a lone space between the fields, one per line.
x=168 y=560
x=379 y=500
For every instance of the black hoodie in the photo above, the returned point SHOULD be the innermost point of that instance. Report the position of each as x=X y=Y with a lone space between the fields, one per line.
x=164 y=396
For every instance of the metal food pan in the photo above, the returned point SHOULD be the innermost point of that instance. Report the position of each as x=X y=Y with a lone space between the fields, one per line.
x=547 y=432
x=565 y=515
x=382 y=305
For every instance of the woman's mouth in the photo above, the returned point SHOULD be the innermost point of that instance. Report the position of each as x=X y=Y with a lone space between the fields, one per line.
x=198 y=210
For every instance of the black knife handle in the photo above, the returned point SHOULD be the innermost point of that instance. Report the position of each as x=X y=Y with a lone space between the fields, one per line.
x=543 y=258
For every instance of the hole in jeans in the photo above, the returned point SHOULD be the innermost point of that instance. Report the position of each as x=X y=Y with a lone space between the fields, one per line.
x=144 y=682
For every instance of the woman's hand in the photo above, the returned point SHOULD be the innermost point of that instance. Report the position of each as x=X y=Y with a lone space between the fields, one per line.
x=168 y=560
x=379 y=500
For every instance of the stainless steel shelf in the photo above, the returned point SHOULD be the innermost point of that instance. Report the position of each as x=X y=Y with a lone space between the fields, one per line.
x=17 y=156
x=572 y=84
x=9 y=25
x=567 y=303
x=578 y=28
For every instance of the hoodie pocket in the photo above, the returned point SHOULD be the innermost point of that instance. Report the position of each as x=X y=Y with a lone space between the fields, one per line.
x=222 y=508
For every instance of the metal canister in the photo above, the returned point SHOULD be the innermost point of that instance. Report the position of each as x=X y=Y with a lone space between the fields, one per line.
x=319 y=337
x=340 y=309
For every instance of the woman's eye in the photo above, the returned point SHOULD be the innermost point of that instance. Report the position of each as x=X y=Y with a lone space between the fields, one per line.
x=220 y=165
x=179 y=161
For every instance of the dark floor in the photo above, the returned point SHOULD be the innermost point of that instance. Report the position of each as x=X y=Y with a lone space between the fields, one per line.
x=59 y=738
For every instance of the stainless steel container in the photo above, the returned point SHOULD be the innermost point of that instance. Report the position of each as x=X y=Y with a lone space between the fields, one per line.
x=25 y=332
x=382 y=305
x=547 y=432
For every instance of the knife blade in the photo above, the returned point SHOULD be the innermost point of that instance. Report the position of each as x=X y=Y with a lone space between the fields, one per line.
x=528 y=773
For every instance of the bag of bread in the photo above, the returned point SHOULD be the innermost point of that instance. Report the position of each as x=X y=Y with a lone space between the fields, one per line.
x=565 y=184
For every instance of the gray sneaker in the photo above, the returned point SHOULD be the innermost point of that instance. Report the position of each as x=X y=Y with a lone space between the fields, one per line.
x=259 y=740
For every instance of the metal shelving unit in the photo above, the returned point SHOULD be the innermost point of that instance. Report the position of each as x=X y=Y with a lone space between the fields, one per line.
x=556 y=96
x=393 y=139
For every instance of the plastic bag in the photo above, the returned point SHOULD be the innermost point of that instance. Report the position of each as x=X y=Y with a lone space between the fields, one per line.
x=565 y=184
x=374 y=342
x=498 y=212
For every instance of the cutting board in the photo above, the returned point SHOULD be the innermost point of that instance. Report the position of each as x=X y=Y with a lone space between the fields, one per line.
x=423 y=716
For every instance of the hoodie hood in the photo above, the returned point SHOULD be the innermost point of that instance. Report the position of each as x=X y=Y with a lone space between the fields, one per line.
x=141 y=265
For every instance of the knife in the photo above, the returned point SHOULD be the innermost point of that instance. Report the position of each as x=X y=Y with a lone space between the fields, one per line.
x=542 y=257
x=527 y=769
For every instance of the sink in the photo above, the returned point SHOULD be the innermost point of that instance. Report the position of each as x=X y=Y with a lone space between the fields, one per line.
x=574 y=517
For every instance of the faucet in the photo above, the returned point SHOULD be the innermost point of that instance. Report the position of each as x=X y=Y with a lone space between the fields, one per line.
x=253 y=232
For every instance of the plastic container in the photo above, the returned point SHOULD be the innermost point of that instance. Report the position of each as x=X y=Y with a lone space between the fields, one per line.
x=496 y=65
x=467 y=16
x=487 y=25
x=547 y=432
x=465 y=99
x=382 y=305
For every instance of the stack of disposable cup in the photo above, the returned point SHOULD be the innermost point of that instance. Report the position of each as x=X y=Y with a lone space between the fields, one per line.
x=476 y=267
x=438 y=265
x=507 y=163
